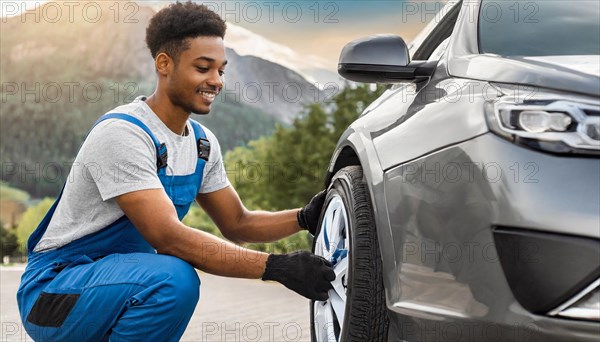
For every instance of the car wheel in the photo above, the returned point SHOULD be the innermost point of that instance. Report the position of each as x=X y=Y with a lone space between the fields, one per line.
x=356 y=309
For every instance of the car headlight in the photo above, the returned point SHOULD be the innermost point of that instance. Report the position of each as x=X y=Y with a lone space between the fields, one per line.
x=546 y=121
x=585 y=305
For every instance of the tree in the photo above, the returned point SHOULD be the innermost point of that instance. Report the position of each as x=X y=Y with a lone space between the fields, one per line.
x=8 y=241
x=31 y=219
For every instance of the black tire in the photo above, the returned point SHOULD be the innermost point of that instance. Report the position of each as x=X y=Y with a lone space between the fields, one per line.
x=365 y=315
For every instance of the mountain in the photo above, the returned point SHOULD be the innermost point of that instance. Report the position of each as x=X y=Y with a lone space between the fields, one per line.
x=271 y=87
x=311 y=67
x=58 y=76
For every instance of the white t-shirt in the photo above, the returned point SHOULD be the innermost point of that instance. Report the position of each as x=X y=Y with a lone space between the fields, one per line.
x=118 y=157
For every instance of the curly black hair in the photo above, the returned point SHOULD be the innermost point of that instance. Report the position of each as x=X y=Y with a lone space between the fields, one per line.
x=170 y=28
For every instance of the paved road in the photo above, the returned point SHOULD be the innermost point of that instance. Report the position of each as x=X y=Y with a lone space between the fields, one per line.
x=228 y=310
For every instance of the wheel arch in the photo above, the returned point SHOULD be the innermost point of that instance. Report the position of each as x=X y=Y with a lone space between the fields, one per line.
x=345 y=156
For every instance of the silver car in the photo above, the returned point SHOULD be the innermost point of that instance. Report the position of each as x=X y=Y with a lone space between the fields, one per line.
x=464 y=203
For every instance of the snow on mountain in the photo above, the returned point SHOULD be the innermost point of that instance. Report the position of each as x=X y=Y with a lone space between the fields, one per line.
x=313 y=68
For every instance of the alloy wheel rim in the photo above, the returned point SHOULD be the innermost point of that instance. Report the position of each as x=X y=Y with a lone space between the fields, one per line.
x=333 y=244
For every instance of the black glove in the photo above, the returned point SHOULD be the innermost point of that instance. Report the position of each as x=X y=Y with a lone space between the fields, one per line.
x=305 y=273
x=308 y=217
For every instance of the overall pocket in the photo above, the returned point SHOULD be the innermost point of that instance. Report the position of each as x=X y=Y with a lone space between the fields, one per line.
x=51 y=309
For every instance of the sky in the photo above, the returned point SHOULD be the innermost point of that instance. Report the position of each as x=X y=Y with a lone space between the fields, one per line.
x=324 y=27
x=309 y=27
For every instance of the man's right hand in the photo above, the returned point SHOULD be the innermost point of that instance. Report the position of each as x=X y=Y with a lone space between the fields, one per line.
x=305 y=273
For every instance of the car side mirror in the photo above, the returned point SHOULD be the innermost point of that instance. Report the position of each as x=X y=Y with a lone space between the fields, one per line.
x=381 y=59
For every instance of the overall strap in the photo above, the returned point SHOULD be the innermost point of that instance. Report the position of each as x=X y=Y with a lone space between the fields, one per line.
x=202 y=143
x=161 y=149
x=37 y=234
x=203 y=148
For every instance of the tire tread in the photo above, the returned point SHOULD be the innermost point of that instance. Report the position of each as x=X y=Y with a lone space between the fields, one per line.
x=368 y=320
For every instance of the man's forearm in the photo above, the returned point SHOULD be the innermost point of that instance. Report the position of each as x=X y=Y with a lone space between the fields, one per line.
x=213 y=255
x=264 y=226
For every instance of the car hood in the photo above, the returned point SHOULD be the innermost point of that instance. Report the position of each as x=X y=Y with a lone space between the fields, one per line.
x=584 y=64
x=579 y=74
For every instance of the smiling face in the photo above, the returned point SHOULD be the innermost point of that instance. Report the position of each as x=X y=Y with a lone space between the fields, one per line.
x=197 y=77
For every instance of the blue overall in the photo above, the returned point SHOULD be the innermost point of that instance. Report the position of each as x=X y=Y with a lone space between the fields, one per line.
x=112 y=285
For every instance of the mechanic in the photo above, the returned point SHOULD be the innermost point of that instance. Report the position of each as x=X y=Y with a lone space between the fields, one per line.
x=112 y=260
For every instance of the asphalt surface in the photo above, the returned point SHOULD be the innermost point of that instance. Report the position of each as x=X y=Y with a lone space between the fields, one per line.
x=228 y=310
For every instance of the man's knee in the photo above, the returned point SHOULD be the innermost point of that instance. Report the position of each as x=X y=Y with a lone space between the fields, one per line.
x=184 y=282
x=165 y=305
x=169 y=280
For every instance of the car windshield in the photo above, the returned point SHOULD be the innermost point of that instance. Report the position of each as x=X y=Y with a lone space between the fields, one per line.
x=539 y=28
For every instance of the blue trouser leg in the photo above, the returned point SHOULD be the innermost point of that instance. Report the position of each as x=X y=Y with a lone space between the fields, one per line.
x=124 y=297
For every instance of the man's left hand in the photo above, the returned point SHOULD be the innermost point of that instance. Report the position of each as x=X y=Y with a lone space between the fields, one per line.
x=308 y=217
